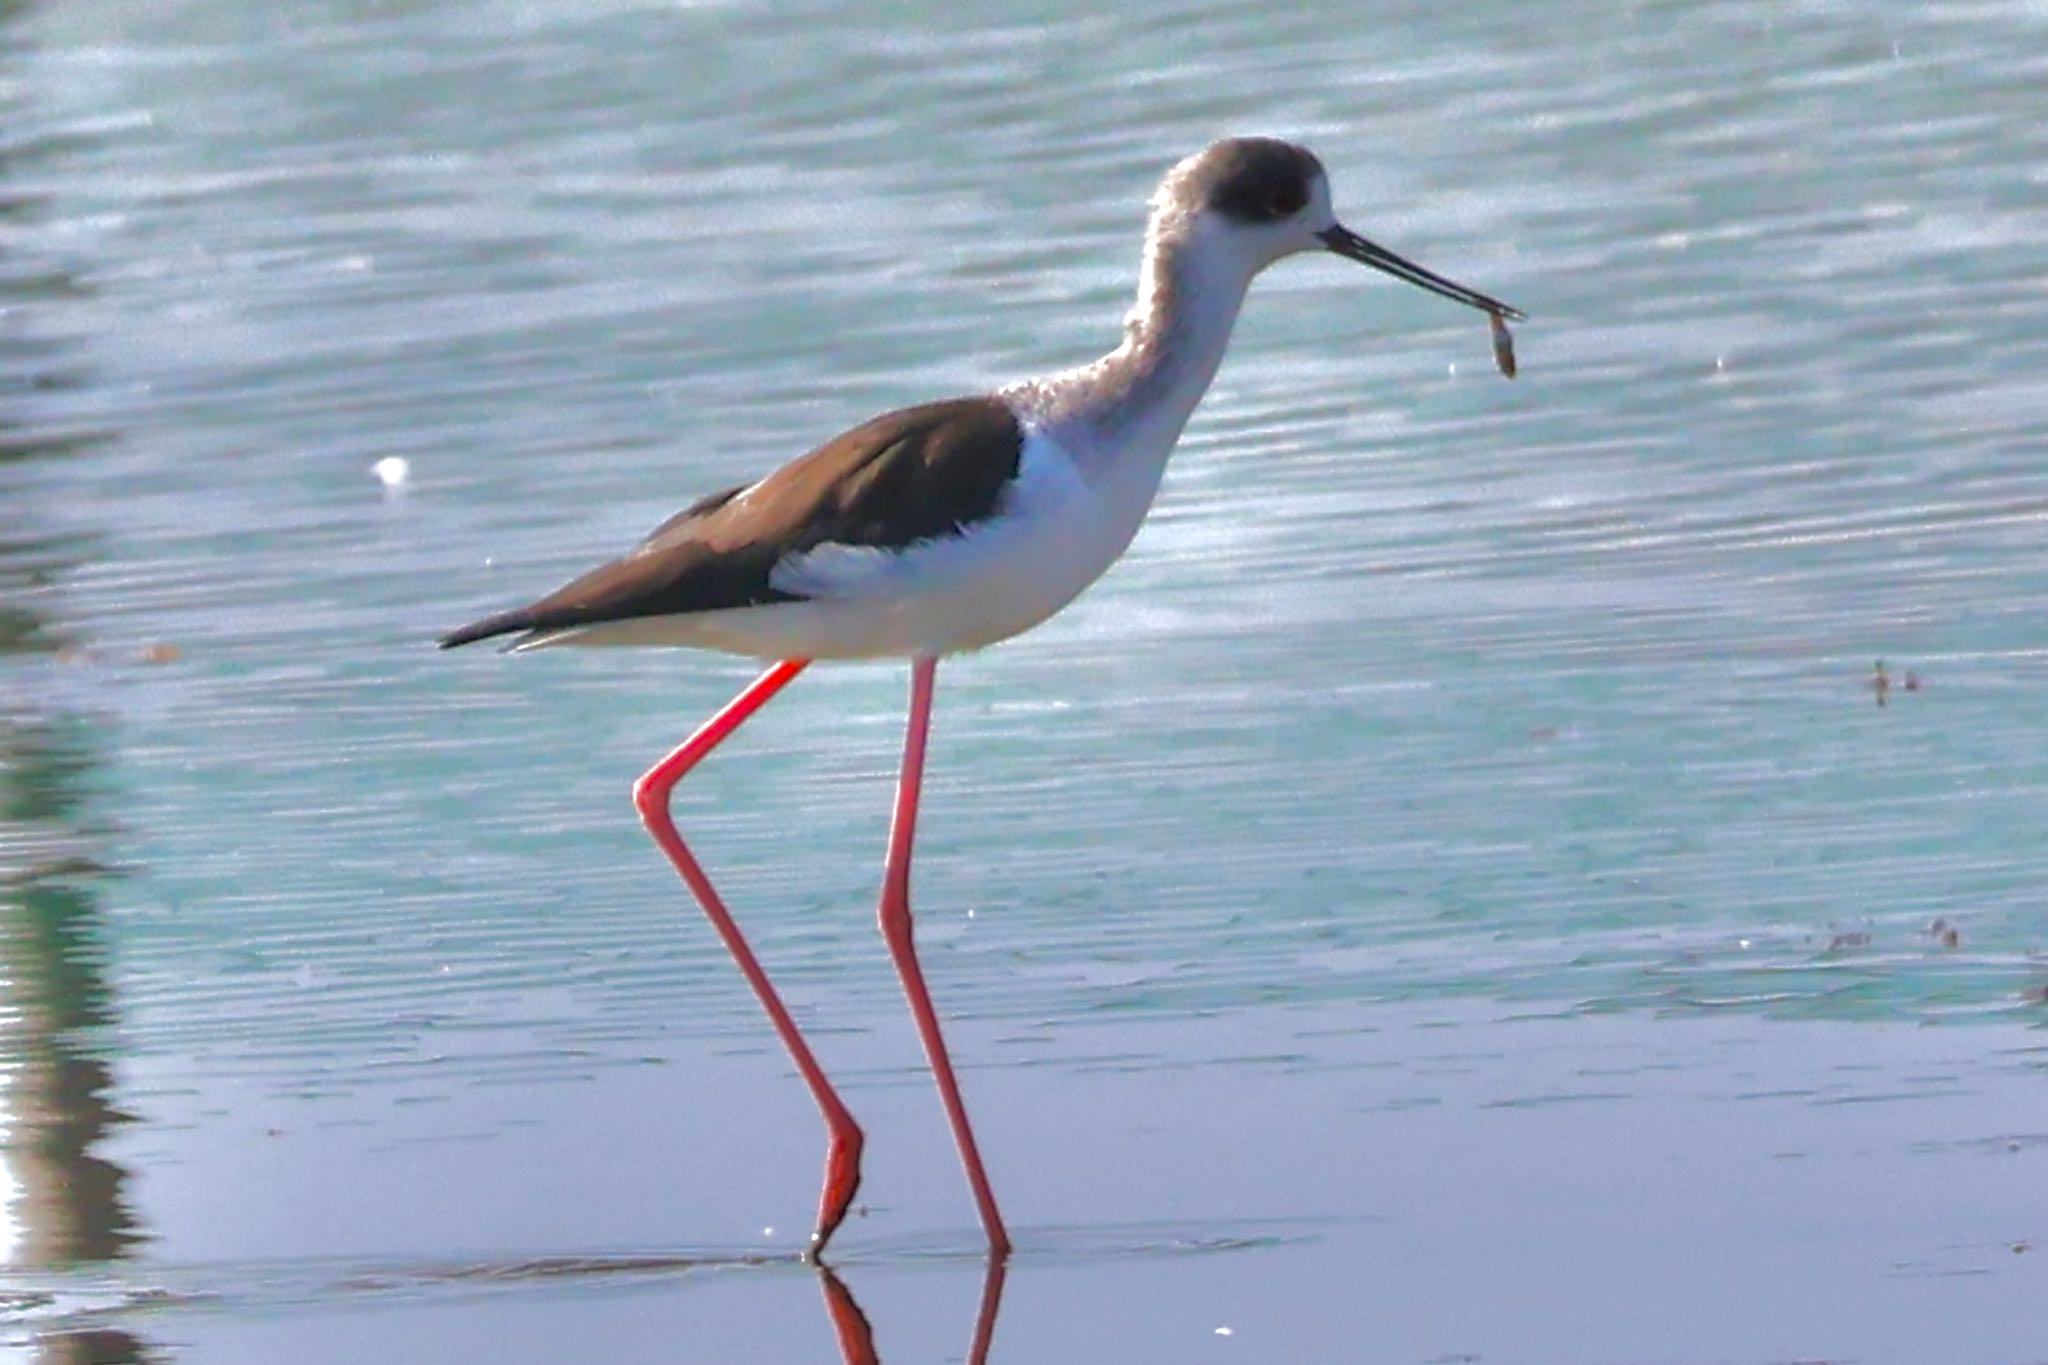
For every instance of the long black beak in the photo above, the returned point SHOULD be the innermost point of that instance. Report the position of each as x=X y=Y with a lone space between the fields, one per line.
x=1345 y=242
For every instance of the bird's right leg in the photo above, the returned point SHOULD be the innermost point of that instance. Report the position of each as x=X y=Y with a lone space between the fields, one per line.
x=651 y=795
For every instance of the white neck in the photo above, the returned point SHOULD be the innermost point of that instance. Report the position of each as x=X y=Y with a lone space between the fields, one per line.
x=1132 y=403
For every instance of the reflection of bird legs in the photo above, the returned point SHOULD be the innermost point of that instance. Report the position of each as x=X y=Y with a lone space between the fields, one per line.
x=857 y=1336
x=985 y=1316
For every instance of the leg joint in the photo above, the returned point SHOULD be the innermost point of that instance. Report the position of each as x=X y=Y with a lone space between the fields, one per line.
x=650 y=796
x=898 y=929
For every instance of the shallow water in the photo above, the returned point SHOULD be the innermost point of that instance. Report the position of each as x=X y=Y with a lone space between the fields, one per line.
x=1451 y=892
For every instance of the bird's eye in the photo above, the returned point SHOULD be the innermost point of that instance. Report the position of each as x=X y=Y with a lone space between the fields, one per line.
x=1285 y=199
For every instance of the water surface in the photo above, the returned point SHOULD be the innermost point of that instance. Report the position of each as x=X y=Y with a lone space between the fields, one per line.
x=1451 y=893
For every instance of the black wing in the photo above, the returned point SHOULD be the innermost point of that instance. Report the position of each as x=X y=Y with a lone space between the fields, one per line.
x=904 y=477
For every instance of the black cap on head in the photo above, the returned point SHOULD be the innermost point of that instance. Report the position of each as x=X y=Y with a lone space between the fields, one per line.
x=1258 y=179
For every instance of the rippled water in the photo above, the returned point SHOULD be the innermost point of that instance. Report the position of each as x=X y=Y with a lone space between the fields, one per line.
x=1428 y=706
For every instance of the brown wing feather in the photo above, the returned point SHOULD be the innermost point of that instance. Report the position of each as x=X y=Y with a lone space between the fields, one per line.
x=906 y=476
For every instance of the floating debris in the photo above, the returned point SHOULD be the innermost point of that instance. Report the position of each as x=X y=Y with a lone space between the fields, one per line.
x=1881 y=682
x=392 y=471
x=1503 y=344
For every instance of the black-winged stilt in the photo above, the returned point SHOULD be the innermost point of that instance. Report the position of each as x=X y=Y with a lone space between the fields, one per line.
x=943 y=528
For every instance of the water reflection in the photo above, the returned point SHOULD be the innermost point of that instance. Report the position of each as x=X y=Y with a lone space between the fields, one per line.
x=65 y=1202
x=94 y=1346
x=857 y=1337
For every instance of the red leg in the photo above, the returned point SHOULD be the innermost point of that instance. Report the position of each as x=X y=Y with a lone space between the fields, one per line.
x=896 y=929
x=651 y=795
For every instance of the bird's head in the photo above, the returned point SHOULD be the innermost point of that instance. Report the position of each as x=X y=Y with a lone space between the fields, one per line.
x=1259 y=199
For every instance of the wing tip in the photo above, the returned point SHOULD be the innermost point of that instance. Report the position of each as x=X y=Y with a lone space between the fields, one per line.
x=504 y=623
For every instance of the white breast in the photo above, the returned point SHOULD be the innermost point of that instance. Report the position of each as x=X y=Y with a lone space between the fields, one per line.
x=1051 y=535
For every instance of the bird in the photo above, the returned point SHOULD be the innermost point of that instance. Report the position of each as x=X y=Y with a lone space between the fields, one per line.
x=940 y=529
